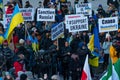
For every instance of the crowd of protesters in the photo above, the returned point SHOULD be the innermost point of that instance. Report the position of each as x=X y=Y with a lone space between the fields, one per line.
x=20 y=59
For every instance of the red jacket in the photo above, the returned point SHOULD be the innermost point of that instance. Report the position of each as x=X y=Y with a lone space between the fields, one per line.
x=9 y=9
x=18 y=67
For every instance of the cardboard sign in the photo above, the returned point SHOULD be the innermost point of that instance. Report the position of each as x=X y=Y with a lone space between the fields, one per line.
x=84 y=8
x=76 y=23
x=57 y=31
x=108 y=24
x=45 y=14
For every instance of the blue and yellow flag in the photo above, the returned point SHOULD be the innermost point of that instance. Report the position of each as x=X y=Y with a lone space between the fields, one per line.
x=16 y=19
x=94 y=43
x=34 y=41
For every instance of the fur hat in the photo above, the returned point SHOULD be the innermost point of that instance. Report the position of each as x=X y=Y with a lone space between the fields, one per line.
x=21 y=41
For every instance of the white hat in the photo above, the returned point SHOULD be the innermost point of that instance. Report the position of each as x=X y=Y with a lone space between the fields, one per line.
x=21 y=41
x=7 y=73
x=55 y=77
x=107 y=35
x=19 y=73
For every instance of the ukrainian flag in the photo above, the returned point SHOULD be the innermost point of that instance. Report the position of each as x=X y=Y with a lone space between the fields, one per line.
x=34 y=41
x=16 y=19
x=94 y=40
x=94 y=43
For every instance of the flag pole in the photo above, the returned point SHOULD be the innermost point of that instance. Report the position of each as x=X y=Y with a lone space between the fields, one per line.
x=57 y=44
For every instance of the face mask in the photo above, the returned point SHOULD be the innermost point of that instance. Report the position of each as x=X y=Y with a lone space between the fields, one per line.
x=4 y=47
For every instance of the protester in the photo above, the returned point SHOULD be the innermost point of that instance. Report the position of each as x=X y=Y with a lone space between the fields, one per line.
x=8 y=76
x=19 y=63
x=106 y=47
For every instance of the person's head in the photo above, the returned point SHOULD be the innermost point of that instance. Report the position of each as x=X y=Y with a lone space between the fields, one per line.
x=23 y=77
x=8 y=76
x=5 y=44
x=27 y=3
x=32 y=33
x=47 y=35
x=21 y=41
x=40 y=3
x=100 y=6
x=66 y=44
x=55 y=42
x=20 y=55
x=107 y=37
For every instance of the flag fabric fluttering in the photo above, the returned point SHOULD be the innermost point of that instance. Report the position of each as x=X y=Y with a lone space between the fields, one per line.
x=113 y=72
x=94 y=40
x=94 y=43
x=16 y=19
x=91 y=43
x=34 y=41
x=86 y=75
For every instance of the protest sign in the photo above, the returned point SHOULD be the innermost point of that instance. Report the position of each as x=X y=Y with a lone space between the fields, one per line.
x=45 y=14
x=84 y=8
x=76 y=23
x=7 y=18
x=108 y=24
x=57 y=31
x=27 y=13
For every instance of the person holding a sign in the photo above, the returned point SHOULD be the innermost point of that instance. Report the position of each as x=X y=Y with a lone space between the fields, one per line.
x=54 y=52
x=101 y=11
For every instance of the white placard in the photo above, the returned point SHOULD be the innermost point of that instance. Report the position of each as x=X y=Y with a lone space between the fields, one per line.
x=84 y=8
x=108 y=24
x=45 y=14
x=57 y=31
x=76 y=23
x=27 y=13
x=7 y=18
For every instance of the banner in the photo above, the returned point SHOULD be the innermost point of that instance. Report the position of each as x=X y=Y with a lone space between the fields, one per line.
x=108 y=24
x=28 y=13
x=84 y=8
x=57 y=31
x=76 y=23
x=45 y=14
